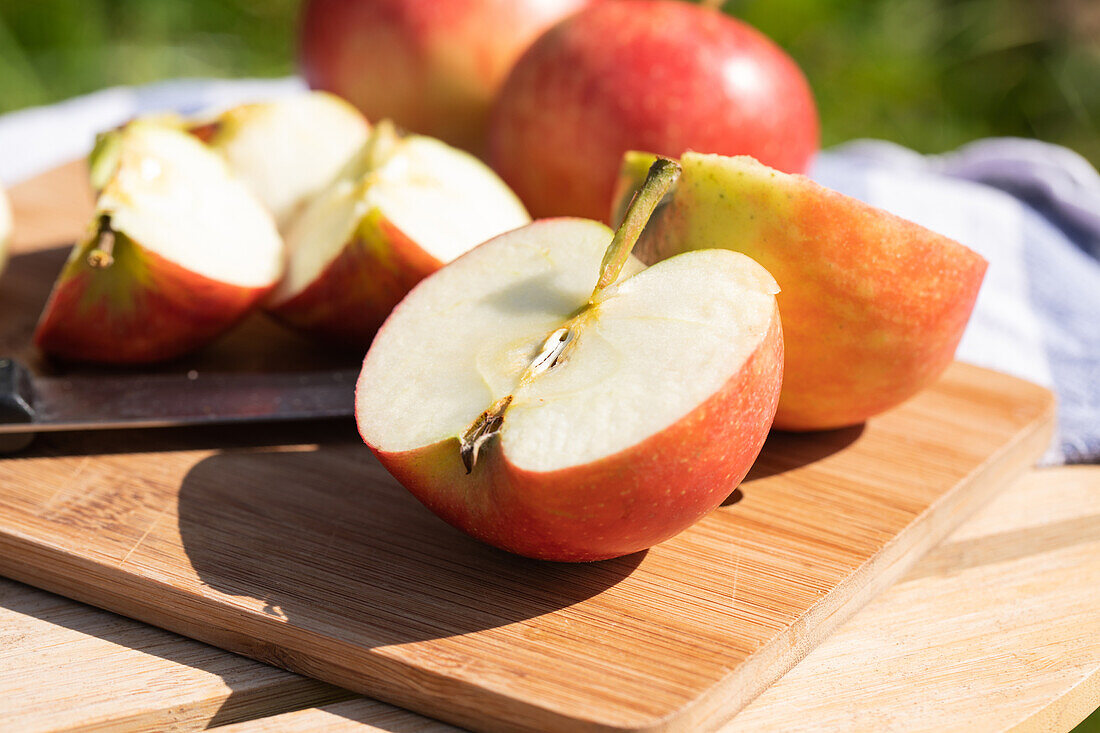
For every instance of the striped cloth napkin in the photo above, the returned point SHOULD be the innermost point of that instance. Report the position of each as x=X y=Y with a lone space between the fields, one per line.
x=1030 y=208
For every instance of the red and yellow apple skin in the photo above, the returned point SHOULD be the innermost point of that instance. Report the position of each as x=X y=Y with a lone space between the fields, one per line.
x=432 y=66
x=141 y=309
x=660 y=76
x=873 y=305
x=619 y=504
x=345 y=307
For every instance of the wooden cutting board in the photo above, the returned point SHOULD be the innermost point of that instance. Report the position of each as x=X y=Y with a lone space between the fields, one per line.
x=292 y=545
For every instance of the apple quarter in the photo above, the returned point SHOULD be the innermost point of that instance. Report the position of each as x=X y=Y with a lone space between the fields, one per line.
x=873 y=305
x=288 y=150
x=404 y=208
x=178 y=251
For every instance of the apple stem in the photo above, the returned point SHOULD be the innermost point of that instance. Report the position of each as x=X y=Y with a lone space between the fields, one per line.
x=102 y=255
x=713 y=4
x=662 y=174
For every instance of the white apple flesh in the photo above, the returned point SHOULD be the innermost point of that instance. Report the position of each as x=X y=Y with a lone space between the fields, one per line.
x=289 y=149
x=402 y=208
x=566 y=424
x=178 y=251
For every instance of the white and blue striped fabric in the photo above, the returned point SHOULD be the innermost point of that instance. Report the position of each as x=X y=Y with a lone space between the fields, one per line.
x=1031 y=209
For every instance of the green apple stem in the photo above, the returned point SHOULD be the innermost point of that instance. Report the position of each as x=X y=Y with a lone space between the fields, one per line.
x=662 y=174
x=102 y=255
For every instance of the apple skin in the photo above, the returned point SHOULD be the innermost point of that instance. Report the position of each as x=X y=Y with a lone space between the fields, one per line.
x=873 y=305
x=432 y=66
x=617 y=505
x=142 y=309
x=655 y=75
x=346 y=308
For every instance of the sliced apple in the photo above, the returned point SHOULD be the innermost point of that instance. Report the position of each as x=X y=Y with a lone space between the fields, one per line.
x=534 y=401
x=873 y=305
x=5 y=228
x=400 y=210
x=178 y=251
x=289 y=149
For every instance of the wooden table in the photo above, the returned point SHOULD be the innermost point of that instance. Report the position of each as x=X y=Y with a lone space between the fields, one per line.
x=998 y=628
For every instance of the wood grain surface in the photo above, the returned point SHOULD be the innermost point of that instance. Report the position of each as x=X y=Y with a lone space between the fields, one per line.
x=67 y=666
x=918 y=657
x=292 y=545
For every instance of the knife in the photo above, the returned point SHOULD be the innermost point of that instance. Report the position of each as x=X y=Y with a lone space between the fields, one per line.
x=32 y=404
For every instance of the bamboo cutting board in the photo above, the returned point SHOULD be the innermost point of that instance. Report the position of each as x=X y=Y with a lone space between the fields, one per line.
x=293 y=546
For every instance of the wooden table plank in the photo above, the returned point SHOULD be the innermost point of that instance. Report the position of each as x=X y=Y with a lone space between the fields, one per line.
x=998 y=628
x=64 y=665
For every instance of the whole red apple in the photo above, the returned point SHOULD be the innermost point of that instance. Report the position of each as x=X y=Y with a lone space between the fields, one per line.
x=656 y=75
x=432 y=66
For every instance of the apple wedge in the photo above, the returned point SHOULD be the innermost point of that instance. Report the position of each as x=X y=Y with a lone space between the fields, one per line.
x=400 y=210
x=530 y=398
x=5 y=228
x=289 y=149
x=177 y=252
x=873 y=305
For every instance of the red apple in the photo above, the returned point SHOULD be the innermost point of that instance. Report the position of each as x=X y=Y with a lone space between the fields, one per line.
x=178 y=251
x=532 y=399
x=657 y=75
x=432 y=66
x=873 y=305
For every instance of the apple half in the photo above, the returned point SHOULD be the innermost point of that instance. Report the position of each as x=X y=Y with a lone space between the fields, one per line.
x=5 y=228
x=289 y=149
x=403 y=207
x=873 y=305
x=178 y=251
x=533 y=400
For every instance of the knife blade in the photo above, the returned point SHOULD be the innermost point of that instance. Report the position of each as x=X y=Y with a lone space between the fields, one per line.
x=32 y=404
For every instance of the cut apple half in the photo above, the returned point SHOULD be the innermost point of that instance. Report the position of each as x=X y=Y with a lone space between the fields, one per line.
x=289 y=149
x=177 y=252
x=563 y=415
x=400 y=210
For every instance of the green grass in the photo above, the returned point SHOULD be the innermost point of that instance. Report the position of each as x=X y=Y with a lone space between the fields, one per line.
x=929 y=74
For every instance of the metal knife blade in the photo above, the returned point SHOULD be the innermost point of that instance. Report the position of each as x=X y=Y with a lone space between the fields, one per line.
x=33 y=404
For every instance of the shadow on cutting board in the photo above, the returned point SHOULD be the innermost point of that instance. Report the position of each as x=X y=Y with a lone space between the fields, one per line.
x=329 y=542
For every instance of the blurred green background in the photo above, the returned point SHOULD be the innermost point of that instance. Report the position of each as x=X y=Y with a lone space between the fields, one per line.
x=930 y=74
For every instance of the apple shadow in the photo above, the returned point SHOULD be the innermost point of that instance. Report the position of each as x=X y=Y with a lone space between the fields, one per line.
x=358 y=559
x=786 y=451
x=534 y=294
